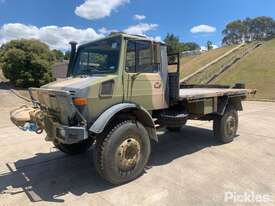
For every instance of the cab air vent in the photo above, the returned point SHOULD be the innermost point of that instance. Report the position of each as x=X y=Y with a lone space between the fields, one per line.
x=107 y=88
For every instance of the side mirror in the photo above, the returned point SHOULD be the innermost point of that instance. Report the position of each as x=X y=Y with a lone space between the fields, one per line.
x=72 y=57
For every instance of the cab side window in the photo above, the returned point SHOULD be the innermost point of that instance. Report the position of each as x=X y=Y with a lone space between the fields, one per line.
x=140 y=57
x=131 y=57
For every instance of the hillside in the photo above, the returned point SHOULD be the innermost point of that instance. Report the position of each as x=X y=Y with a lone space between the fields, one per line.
x=256 y=70
x=190 y=64
x=211 y=72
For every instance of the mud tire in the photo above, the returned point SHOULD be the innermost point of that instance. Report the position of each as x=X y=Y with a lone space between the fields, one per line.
x=225 y=127
x=106 y=152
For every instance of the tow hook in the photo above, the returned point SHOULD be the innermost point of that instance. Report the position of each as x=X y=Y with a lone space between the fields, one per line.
x=39 y=131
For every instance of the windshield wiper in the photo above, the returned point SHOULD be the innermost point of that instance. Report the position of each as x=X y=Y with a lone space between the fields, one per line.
x=92 y=68
x=94 y=71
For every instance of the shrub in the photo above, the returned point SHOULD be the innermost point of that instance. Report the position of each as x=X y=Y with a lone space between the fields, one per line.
x=58 y=55
x=27 y=63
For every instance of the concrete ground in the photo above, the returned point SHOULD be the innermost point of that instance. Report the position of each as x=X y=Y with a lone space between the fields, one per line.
x=187 y=168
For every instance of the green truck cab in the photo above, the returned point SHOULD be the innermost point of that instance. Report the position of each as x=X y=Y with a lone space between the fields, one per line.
x=118 y=92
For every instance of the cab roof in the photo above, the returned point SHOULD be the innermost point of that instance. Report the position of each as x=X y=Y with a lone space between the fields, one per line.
x=137 y=37
x=128 y=36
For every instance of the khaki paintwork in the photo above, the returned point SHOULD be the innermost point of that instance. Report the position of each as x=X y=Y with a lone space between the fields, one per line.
x=146 y=89
x=96 y=104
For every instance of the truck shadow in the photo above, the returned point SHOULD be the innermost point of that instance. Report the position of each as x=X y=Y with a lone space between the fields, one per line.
x=50 y=176
x=173 y=145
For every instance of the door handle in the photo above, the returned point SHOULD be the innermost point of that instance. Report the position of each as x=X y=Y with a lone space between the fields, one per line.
x=157 y=85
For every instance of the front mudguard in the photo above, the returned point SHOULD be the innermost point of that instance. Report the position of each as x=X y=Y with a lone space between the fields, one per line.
x=141 y=114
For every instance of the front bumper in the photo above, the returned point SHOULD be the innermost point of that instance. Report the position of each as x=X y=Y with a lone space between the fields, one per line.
x=71 y=135
x=63 y=133
x=58 y=110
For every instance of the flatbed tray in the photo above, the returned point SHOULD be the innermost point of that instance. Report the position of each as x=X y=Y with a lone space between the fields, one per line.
x=201 y=93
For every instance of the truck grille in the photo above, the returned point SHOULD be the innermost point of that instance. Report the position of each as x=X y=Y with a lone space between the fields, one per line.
x=72 y=93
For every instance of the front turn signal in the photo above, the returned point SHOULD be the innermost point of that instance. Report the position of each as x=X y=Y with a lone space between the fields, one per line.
x=80 y=101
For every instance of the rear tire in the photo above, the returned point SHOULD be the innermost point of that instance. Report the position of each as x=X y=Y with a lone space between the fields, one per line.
x=225 y=127
x=74 y=149
x=122 y=155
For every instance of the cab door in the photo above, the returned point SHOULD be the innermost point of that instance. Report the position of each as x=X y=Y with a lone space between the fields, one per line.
x=142 y=76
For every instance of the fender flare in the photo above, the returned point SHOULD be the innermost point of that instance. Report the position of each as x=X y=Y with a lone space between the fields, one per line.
x=140 y=113
x=226 y=100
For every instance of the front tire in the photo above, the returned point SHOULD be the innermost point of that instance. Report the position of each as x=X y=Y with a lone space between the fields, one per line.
x=122 y=155
x=74 y=149
x=225 y=127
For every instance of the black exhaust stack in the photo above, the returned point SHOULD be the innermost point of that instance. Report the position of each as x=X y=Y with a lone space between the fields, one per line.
x=72 y=57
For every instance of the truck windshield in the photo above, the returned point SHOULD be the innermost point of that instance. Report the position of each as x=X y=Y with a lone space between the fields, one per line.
x=100 y=57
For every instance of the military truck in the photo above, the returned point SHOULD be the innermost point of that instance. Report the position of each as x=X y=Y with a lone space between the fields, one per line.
x=118 y=92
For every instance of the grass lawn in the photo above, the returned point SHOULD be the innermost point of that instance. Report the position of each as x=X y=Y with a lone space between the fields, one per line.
x=257 y=71
x=192 y=63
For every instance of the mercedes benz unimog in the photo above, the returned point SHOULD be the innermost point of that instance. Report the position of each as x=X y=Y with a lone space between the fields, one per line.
x=119 y=90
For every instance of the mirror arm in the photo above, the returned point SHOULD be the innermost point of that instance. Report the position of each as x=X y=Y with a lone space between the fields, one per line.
x=72 y=58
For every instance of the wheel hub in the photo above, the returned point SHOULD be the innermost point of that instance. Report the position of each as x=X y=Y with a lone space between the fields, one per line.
x=230 y=126
x=128 y=154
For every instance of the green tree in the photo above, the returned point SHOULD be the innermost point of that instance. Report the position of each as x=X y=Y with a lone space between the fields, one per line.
x=209 y=45
x=173 y=44
x=58 y=55
x=262 y=28
x=234 y=32
x=67 y=55
x=257 y=29
x=27 y=63
x=191 y=46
